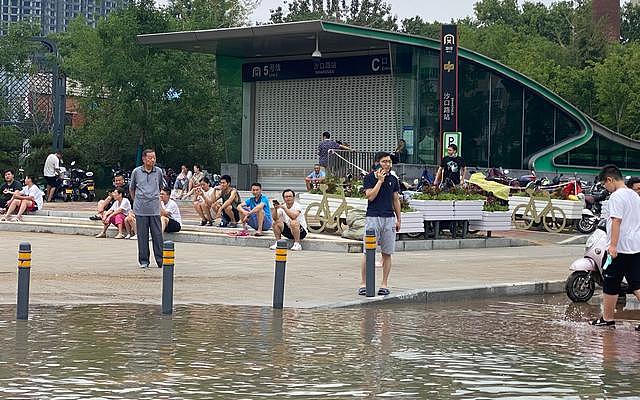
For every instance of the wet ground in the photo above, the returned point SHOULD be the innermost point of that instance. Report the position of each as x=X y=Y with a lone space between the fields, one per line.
x=521 y=348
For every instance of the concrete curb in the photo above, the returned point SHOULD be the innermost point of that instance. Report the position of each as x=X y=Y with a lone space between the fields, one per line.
x=426 y=296
x=77 y=223
x=579 y=239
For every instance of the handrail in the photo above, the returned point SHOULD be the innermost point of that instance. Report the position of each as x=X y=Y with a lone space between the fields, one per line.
x=340 y=163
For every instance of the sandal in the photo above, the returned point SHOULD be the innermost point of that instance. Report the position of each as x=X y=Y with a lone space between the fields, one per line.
x=602 y=322
x=383 y=291
x=362 y=291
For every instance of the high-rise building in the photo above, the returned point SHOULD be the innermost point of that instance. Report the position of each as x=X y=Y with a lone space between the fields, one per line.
x=54 y=15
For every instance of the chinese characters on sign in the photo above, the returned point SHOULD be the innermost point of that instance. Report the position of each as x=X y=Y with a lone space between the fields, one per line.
x=449 y=79
x=379 y=64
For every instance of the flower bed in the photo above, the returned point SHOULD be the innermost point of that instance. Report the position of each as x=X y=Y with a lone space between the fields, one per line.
x=492 y=221
x=468 y=210
x=411 y=222
x=434 y=210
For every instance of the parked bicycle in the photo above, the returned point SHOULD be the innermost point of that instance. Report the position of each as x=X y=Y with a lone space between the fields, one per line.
x=319 y=216
x=525 y=215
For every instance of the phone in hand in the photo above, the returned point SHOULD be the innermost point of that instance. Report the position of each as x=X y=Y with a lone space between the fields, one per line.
x=276 y=203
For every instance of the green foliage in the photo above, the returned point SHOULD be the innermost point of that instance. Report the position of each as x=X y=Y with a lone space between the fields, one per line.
x=493 y=204
x=630 y=25
x=340 y=186
x=455 y=193
x=16 y=47
x=11 y=147
x=370 y=13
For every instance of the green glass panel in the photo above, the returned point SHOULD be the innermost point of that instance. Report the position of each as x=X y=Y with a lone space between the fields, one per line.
x=585 y=155
x=473 y=113
x=611 y=152
x=505 y=147
x=538 y=124
x=428 y=134
x=229 y=74
x=633 y=158
x=565 y=126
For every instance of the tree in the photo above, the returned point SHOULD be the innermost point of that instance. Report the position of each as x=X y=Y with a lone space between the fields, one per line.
x=369 y=13
x=618 y=89
x=136 y=95
x=630 y=26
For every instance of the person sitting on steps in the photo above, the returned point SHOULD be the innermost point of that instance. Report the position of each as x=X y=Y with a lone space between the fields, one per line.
x=116 y=214
x=288 y=220
x=228 y=210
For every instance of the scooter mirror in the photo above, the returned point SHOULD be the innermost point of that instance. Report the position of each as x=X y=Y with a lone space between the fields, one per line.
x=73 y=163
x=506 y=171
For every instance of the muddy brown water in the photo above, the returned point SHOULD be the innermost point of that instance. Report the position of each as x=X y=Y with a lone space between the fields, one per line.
x=533 y=347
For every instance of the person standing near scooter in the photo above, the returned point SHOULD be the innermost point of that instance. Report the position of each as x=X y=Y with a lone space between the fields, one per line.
x=623 y=231
x=50 y=171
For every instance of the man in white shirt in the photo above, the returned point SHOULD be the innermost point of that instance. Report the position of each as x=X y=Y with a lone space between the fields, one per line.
x=623 y=232
x=169 y=213
x=288 y=220
x=50 y=172
x=28 y=199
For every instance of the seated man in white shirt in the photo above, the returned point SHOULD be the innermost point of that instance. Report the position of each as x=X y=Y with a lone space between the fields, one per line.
x=28 y=199
x=204 y=201
x=288 y=220
x=169 y=213
x=115 y=215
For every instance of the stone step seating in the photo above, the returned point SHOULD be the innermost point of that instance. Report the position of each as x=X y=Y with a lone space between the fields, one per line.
x=78 y=223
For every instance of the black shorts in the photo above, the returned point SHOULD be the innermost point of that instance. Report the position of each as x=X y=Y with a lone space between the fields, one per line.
x=51 y=180
x=236 y=215
x=623 y=266
x=286 y=232
x=172 y=226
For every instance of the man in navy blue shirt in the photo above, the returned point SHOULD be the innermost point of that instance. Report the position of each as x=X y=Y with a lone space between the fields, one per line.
x=383 y=215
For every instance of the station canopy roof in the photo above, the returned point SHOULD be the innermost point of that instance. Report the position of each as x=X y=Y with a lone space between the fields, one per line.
x=279 y=40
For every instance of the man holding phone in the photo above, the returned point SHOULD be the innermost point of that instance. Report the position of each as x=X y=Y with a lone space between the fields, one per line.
x=383 y=215
x=288 y=220
x=8 y=188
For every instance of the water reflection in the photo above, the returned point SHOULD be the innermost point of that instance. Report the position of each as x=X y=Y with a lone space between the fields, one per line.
x=519 y=348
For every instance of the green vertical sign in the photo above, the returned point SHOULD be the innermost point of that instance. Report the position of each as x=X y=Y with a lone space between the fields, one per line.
x=449 y=138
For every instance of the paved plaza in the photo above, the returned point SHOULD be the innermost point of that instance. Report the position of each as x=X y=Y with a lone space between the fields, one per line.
x=70 y=269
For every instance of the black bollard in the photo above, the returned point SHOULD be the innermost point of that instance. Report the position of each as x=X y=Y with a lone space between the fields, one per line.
x=370 y=262
x=278 y=282
x=24 y=276
x=168 y=258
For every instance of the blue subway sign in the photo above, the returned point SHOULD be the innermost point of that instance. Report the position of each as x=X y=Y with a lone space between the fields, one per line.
x=379 y=64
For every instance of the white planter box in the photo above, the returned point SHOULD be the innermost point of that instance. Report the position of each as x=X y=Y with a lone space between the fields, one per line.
x=434 y=210
x=572 y=209
x=307 y=198
x=492 y=221
x=468 y=209
x=411 y=222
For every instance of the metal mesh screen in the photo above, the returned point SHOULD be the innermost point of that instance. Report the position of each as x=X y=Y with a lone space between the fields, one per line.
x=291 y=115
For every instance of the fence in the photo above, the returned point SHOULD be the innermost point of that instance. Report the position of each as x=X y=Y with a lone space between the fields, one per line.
x=343 y=162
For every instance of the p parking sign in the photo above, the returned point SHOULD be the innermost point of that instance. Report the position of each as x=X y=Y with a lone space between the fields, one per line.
x=449 y=138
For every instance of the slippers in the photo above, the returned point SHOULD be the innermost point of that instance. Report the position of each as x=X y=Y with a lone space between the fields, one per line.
x=258 y=234
x=383 y=291
x=239 y=233
x=362 y=291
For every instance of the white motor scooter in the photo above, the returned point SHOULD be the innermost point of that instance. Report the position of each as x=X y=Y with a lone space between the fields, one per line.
x=587 y=271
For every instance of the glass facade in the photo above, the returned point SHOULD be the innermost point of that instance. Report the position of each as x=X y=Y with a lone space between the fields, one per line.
x=599 y=151
x=503 y=123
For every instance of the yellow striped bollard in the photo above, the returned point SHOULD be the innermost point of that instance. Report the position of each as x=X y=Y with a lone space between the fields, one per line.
x=370 y=243
x=168 y=259
x=278 y=283
x=24 y=276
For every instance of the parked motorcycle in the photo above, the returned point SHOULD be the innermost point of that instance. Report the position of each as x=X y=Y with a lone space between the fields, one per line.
x=82 y=183
x=587 y=271
x=593 y=208
x=65 y=189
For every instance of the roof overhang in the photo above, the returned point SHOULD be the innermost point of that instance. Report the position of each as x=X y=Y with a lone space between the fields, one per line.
x=276 y=40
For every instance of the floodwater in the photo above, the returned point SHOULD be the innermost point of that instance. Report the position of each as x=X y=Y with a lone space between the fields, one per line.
x=538 y=347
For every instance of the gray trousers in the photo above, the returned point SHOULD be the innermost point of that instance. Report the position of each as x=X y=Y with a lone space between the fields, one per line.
x=144 y=223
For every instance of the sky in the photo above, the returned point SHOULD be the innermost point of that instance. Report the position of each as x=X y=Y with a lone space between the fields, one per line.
x=429 y=10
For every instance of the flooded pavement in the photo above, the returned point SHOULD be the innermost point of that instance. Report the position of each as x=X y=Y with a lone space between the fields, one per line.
x=520 y=348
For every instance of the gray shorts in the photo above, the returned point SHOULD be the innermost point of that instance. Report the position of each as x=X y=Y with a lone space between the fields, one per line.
x=385 y=228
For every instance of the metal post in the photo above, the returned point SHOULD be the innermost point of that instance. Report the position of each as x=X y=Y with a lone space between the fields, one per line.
x=168 y=255
x=24 y=276
x=278 y=282
x=370 y=262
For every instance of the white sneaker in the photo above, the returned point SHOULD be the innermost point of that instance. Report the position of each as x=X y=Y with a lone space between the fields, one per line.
x=128 y=236
x=296 y=247
x=274 y=246
x=143 y=266
x=133 y=237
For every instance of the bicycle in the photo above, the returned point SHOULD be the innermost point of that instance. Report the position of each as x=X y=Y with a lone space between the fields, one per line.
x=552 y=217
x=319 y=217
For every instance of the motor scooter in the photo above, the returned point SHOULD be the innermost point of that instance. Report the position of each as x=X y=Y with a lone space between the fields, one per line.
x=591 y=213
x=83 y=184
x=587 y=271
